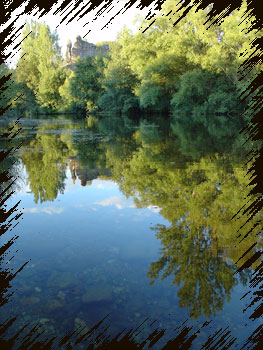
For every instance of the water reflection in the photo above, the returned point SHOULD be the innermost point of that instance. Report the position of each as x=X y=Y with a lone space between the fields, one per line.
x=85 y=174
x=199 y=199
x=188 y=201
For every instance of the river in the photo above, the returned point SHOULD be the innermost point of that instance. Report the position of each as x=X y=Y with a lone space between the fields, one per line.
x=122 y=221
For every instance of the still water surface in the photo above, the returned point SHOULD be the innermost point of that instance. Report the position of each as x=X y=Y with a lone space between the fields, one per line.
x=105 y=217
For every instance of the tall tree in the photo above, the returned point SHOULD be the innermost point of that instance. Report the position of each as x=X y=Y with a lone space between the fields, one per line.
x=119 y=84
x=9 y=89
x=84 y=85
x=40 y=64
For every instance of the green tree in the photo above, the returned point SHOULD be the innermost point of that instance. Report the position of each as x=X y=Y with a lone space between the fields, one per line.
x=9 y=90
x=85 y=83
x=207 y=103
x=67 y=100
x=119 y=83
x=160 y=81
x=161 y=56
x=5 y=95
x=151 y=57
x=40 y=64
x=202 y=93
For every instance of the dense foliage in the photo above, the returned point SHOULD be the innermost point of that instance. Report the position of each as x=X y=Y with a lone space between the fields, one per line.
x=189 y=71
x=39 y=68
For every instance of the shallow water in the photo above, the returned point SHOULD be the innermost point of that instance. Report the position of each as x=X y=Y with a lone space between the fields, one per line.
x=105 y=215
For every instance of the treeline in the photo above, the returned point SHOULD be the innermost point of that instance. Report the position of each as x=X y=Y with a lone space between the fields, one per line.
x=189 y=70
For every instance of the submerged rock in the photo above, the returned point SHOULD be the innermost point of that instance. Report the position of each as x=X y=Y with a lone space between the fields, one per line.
x=118 y=290
x=61 y=295
x=53 y=305
x=30 y=301
x=44 y=320
x=97 y=293
x=62 y=280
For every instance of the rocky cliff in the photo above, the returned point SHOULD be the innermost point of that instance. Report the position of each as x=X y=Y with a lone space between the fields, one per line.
x=82 y=49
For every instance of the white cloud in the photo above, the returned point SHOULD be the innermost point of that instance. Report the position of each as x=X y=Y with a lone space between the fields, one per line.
x=46 y=210
x=118 y=202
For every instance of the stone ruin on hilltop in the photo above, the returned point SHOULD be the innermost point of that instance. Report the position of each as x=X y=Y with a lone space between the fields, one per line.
x=82 y=49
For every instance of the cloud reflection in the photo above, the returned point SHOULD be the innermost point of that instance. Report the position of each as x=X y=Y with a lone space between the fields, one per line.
x=118 y=202
x=46 y=210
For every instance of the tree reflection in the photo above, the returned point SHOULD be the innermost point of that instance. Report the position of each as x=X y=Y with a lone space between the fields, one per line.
x=199 y=198
x=44 y=160
x=206 y=280
x=56 y=147
x=10 y=168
